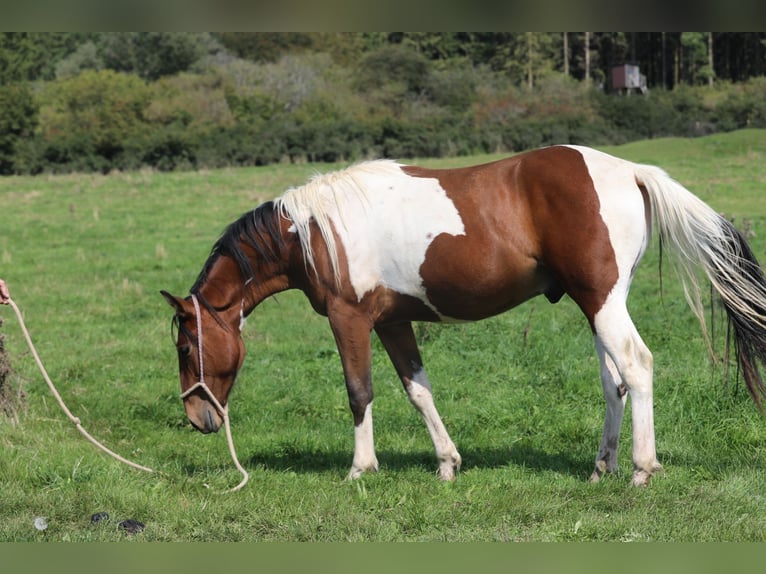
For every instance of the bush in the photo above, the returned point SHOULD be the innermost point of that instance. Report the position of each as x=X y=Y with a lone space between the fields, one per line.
x=165 y=149
x=304 y=108
x=430 y=137
x=18 y=119
x=743 y=107
x=658 y=114
x=85 y=120
x=245 y=144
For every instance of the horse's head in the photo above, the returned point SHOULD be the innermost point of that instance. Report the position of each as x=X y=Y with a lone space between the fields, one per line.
x=210 y=353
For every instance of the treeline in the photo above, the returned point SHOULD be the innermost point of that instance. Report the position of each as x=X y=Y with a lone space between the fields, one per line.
x=106 y=101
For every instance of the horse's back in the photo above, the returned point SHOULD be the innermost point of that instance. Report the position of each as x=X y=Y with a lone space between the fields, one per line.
x=472 y=242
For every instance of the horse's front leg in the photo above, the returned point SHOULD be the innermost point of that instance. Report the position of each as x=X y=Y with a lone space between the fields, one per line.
x=399 y=341
x=352 y=336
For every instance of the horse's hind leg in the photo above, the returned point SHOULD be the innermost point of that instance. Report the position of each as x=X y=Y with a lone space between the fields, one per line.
x=399 y=341
x=634 y=363
x=615 y=394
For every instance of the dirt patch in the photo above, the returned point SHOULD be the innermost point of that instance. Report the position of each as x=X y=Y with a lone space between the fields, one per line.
x=12 y=396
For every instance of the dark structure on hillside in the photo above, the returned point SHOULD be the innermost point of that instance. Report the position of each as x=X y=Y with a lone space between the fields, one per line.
x=628 y=78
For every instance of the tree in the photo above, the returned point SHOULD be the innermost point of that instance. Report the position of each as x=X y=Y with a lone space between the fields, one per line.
x=89 y=117
x=85 y=57
x=265 y=46
x=29 y=56
x=18 y=118
x=152 y=55
x=394 y=64
x=698 y=60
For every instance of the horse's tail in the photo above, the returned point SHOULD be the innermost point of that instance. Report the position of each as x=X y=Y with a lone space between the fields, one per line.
x=698 y=235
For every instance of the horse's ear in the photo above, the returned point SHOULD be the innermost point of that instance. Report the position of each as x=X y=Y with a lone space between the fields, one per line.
x=176 y=302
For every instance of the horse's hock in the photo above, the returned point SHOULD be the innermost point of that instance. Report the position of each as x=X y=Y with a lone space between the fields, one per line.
x=11 y=397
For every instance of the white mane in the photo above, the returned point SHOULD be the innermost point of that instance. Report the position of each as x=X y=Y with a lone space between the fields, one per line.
x=326 y=197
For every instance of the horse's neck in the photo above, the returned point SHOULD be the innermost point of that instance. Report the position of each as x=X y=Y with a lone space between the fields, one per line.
x=223 y=287
x=226 y=290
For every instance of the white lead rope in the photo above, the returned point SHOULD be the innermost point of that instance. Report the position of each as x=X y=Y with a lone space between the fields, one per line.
x=201 y=384
x=61 y=403
x=224 y=411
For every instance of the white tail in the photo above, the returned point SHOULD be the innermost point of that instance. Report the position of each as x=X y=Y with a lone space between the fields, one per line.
x=699 y=236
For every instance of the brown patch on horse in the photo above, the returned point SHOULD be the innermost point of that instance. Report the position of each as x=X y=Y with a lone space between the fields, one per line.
x=534 y=229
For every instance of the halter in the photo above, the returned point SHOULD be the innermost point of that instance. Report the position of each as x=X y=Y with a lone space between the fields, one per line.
x=201 y=384
x=223 y=411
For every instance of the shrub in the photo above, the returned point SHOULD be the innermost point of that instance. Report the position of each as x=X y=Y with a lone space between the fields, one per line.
x=194 y=101
x=245 y=144
x=85 y=120
x=18 y=118
x=660 y=113
x=744 y=106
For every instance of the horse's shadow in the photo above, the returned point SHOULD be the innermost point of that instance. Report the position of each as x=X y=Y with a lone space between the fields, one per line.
x=477 y=458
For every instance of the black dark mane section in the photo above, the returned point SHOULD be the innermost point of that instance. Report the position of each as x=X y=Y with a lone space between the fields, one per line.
x=259 y=230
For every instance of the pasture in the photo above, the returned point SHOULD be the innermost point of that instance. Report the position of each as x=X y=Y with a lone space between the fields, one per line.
x=86 y=255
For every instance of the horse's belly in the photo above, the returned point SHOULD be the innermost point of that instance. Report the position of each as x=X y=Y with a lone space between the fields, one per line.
x=469 y=296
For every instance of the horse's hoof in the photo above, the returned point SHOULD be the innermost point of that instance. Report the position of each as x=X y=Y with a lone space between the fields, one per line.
x=599 y=471
x=641 y=478
x=449 y=468
x=357 y=471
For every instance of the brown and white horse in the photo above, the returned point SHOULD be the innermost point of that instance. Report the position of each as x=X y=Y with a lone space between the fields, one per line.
x=379 y=245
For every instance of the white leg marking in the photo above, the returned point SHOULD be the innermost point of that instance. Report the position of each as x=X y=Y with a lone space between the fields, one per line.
x=419 y=393
x=364 y=447
x=634 y=363
x=615 y=394
x=620 y=204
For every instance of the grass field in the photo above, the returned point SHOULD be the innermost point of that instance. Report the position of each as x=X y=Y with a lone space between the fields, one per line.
x=86 y=255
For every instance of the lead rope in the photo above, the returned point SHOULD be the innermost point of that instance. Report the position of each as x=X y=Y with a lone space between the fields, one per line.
x=223 y=410
x=63 y=406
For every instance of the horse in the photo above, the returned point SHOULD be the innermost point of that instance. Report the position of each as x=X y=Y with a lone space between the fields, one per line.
x=380 y=244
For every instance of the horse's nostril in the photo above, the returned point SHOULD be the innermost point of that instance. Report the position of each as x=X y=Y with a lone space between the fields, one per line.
x=210 y=425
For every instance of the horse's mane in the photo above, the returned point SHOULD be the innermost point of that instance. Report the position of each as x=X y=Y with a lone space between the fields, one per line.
x=327 y=196
x=250 y=229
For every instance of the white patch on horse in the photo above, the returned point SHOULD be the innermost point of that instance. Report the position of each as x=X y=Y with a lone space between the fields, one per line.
x=419 y=393
x=623 y=212
x=364 y=447
x=385 y=220
x=621 y=203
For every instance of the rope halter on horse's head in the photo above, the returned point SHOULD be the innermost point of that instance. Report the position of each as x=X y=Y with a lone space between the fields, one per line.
x=223 y=411
x=201 y=384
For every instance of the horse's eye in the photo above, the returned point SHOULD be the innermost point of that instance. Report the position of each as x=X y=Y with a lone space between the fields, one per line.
x=184 y=350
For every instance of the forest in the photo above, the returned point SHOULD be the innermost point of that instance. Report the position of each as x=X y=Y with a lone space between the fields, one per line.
x=122 y=101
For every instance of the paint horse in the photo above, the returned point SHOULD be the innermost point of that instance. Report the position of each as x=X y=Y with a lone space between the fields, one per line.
x=379 y=245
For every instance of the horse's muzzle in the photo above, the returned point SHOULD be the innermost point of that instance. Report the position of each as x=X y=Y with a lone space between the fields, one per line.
x=204 y=417
x=209 y=421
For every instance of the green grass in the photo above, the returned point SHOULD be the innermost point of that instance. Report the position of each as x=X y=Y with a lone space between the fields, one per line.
x=85 y=257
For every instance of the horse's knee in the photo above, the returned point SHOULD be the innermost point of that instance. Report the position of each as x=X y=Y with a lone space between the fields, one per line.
x=359 y=400
x=637 y=369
